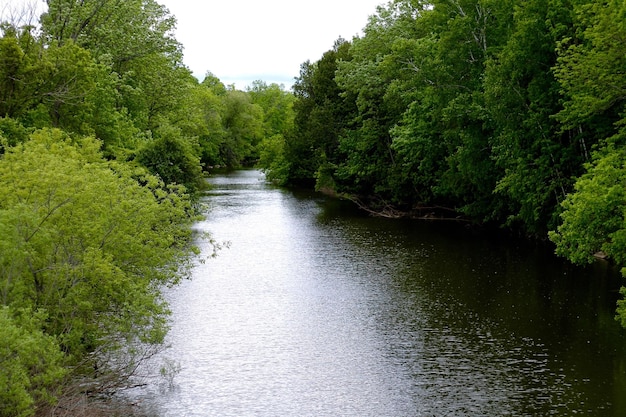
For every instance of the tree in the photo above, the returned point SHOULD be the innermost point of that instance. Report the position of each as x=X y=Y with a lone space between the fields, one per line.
x=19 y=71
x=11 y=133
x=590 y=69
x=272 y=159
x=277 y=106
x=242 y=121
x=522 y=96
x=278 y=123
x=420 y=136
x=593 y=218
x=83 y=241
x=199 y=116
x=172 y=159
x=88 y=238
x=122 y=31
x=144 y=80
x=61 y=86
x=363 y=161
x=69 y=75
x=30 y=363
x=320 y=116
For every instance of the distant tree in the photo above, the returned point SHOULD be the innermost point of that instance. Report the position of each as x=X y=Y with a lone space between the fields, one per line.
x=242 y=122
x=278 y=121
x=199 y=116
x=277 y=106
x=214 y=84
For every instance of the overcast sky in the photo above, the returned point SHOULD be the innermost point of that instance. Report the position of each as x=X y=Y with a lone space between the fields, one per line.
x=245 y=40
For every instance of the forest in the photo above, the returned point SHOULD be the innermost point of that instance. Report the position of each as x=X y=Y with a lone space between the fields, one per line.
x=502 y=113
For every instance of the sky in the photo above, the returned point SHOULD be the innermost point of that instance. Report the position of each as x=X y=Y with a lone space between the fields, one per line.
x=241 y=41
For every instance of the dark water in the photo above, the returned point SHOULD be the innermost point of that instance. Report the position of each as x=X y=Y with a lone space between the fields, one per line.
x=318 y=310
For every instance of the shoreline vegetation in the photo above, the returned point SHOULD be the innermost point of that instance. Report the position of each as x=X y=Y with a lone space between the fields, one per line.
x=509 y=114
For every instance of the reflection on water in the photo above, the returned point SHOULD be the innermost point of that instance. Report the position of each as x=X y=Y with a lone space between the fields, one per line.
x=317 y=310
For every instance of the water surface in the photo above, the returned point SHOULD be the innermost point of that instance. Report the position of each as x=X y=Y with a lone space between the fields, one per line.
x=319 y=310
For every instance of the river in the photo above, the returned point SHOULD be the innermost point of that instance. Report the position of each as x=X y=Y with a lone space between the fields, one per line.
x=316 y=309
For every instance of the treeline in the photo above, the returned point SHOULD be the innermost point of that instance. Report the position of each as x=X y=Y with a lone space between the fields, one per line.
x=502 y=112
x=104 y=139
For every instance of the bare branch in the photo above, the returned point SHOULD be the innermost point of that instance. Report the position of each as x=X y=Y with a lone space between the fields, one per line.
x=22 y=13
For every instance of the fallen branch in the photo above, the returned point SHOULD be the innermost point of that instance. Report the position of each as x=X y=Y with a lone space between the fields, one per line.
x=386 y=210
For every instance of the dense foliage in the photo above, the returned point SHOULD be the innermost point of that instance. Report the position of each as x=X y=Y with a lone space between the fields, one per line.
x=104 y=140
x=502 y=112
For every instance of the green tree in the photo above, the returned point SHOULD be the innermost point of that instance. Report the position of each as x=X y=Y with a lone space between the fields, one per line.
x=199 y=116
x=11 y=133
x=420 y=134
x=593 y=218
x=173 y=159
x=277 y=106
x=590 y=72
x=272 y=159
x=522 y=95
x=590 y=69
x=242 y=123
x=30 y=364
x=83 y=241
x=321 y=113
x=14 y=70
x=123 y=31
x=60 y=86
x=70 y=76
x=143 y=82
x=278 y=122
x=364 y=159
x=214 y=84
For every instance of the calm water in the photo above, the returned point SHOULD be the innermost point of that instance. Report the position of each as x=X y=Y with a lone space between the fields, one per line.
x=318 y=310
